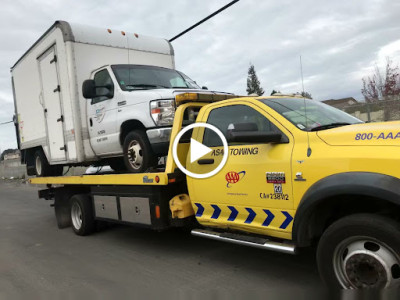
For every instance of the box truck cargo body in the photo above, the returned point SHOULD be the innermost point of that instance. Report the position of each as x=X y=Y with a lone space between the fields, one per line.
x=51 y=113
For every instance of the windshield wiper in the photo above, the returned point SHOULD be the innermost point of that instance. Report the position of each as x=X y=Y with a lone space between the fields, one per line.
x=328 y=126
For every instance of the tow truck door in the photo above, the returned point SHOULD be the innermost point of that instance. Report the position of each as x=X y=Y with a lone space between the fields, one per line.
x=254 y=189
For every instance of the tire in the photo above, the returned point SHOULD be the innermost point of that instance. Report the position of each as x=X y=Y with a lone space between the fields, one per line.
x=42 y=167
x=117 y=164
x=138 y=154
x=82 y=215
x=360 y=251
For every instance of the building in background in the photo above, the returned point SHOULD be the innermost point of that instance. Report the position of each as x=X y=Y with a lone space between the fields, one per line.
x=341 y=103
x=15 y=154
x=376 y=111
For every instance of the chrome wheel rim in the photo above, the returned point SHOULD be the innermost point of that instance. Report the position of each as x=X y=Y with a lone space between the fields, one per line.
x=363 y=262
x=76 y=216
x=38 y=165
x=135 y=155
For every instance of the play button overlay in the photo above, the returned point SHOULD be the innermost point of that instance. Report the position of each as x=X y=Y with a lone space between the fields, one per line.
x=199 y=150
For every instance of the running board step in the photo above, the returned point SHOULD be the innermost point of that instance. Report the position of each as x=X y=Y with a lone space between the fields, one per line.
x=240 y=239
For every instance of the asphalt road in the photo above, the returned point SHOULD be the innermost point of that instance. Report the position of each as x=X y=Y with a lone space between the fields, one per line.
x=36 y=257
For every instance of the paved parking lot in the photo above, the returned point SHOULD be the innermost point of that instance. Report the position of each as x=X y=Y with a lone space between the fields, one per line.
x=36 y=256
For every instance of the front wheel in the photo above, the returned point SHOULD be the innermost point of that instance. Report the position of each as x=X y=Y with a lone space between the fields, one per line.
x=360 y=251
x=138 y=154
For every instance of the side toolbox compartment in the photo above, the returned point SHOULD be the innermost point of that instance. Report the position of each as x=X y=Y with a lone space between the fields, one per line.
x=146 y=206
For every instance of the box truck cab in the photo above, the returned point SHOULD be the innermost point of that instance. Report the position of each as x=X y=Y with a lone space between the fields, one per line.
x=130 y=110
x=86 y=95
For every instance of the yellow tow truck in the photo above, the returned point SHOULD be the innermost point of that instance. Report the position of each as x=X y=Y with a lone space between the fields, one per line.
x=298 y=173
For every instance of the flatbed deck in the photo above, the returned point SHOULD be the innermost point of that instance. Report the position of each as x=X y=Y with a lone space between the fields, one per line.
x=160 y=178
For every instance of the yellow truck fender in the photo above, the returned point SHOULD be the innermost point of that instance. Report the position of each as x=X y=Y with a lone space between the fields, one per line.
x=342 y=194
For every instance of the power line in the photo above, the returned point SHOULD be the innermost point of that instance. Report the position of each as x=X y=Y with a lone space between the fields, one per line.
x=205 y=19
x=6 y=123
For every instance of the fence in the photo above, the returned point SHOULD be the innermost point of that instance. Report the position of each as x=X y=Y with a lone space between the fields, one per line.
x=379 y=111
x=12 y=168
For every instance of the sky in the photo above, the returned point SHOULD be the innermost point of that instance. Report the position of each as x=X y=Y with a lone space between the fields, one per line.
x=339 y=41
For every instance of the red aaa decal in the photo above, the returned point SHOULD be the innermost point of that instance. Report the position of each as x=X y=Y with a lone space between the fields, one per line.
x=233 y=177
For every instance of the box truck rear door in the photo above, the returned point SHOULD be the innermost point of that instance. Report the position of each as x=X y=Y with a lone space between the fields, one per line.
x=51 y=93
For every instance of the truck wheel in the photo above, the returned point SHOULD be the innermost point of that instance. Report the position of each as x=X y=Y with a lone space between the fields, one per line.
x=360 y=251
x=42 y=167
x=138 y=154
x=82 y=215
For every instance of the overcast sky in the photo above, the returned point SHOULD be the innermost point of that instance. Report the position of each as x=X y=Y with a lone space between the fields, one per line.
x=339 y=41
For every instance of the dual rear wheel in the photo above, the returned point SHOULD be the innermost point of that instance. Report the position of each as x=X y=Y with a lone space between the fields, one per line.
x=82 y=215
x=43 y=168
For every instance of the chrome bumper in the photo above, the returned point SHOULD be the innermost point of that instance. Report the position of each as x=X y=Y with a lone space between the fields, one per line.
x=159 y=135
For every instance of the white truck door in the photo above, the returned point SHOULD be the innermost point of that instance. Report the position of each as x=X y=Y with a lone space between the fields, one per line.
x=102 y=118
x=51 y=93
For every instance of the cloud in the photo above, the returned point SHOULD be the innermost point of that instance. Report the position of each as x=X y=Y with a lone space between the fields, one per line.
x=339 y=41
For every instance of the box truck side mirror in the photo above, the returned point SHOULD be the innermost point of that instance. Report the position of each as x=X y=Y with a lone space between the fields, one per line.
x=90 y=90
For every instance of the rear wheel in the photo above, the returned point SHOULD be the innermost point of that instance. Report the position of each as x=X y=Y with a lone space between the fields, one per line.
x=138 y=154
x=42 y=167
x=82 y=215
x=360 y=252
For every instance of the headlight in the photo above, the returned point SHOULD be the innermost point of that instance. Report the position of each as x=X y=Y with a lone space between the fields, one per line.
x=163 y=112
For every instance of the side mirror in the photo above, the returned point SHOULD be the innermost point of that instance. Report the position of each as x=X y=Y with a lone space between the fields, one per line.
x=89 y=89
x=204 y=88
x=248 y=133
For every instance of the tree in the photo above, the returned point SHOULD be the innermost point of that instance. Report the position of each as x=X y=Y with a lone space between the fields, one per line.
x=275 y=92
x=253 y=84
x=306 y=95
x=382 y=85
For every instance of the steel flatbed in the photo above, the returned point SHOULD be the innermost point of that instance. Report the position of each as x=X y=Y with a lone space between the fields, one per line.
x=159 y=179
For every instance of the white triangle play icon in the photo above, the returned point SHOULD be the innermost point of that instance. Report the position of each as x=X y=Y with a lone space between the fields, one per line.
x=197 y=150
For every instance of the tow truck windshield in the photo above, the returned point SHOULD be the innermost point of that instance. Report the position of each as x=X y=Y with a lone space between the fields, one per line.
x=138 y=77
x=310 y=115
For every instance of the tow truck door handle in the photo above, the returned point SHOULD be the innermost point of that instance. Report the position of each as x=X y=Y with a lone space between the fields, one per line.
x=207 y=161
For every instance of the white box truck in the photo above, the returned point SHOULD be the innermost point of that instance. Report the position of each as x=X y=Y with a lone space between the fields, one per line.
x=86 y=95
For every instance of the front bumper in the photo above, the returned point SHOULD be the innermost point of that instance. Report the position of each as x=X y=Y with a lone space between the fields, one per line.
x=159 y=139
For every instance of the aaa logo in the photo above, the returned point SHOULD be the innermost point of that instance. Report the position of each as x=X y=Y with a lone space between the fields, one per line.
x=233 y=177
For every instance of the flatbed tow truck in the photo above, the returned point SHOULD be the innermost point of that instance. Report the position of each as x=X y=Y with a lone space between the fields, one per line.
x=298 y=173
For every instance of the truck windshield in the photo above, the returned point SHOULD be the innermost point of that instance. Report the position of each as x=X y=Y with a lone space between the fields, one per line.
x=138 y=77
x=320 y=116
